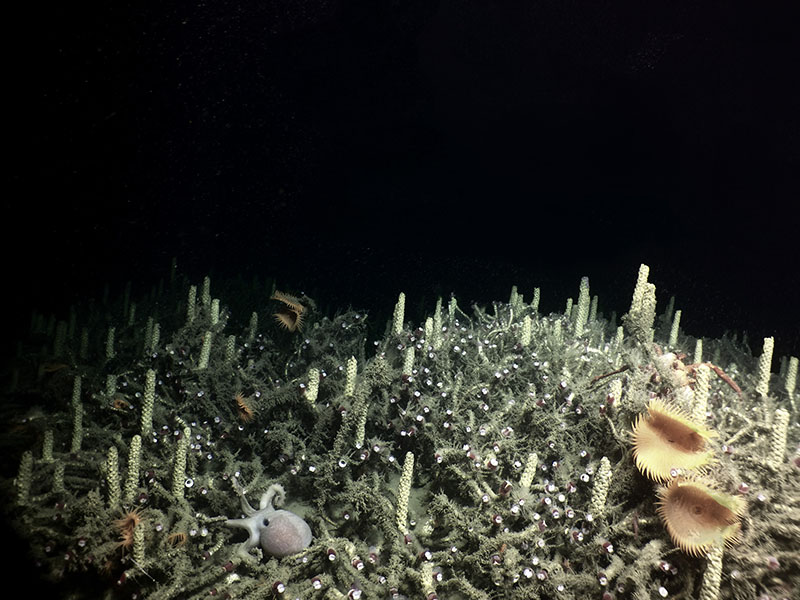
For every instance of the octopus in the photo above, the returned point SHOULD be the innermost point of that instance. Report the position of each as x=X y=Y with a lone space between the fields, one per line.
x=278 y=532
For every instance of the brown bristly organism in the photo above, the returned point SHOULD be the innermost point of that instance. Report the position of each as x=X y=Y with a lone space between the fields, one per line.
x=246 y=412
x=666 y=442
x=126 y=525
x=177 y=539
x=119 y=403
x=293 y=315
x=697 y=516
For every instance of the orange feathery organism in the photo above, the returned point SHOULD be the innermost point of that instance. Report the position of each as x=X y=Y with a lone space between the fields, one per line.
x=177 y=539
x=667 y=442
x=697 y=516
x=126 y=525
x=293 y=302
x=246 y=412
x=292 y=317
x=119 y=403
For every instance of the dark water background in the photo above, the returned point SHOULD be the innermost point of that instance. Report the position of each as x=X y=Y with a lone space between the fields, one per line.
x=358 y=149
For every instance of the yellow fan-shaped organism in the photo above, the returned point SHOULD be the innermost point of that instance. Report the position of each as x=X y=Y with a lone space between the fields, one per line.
x=697 y=516
x=666 y=442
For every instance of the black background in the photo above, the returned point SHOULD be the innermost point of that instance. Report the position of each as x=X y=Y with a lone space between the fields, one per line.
x=359 y=149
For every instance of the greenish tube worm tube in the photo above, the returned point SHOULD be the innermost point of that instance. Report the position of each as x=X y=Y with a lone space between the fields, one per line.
x=403 y=492
x=77 y=416
x=112 y=477
x=179 y=467
x=132 y=479
x=148 y=400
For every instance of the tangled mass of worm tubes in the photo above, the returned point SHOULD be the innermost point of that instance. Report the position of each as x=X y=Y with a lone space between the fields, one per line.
x=181 y=445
